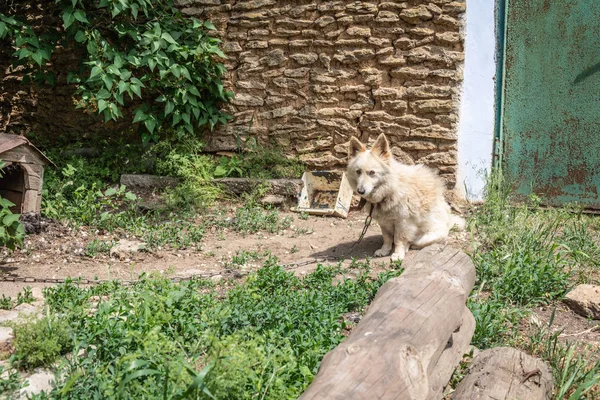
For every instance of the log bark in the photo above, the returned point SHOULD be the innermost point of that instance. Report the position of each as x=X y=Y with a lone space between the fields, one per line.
x=504 y=373
x=411 y=338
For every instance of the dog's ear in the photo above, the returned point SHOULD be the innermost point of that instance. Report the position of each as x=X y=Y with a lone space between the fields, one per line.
x=355 y=147
x=381 y=148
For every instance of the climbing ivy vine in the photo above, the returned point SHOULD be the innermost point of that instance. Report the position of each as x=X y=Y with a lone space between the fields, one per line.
x=132 y=53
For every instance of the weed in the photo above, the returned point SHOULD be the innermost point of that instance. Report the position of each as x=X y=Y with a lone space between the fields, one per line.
x=39 y=342
x=574 y=376
x=526 y=256
x=185 y=161
x=264 y=338
x=294 y=249
x=303 y=215
x=95 y=247
x=26 y=296
x=10 y=382
x=242 y=257
x=495 y=321
x=7 y=303
x=252 y=218
x=302 y=231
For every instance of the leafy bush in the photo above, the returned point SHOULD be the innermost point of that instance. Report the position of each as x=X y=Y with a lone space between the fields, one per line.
x=40 y=342
x=12 y=232
x=141 y=52
x=185 y=160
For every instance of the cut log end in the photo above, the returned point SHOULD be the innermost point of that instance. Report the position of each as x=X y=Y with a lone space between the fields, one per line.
x=504 y=373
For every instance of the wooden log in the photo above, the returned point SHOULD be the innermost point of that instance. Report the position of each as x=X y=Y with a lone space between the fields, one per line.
x=397 y=351
x=504 y=373
x=456 y=348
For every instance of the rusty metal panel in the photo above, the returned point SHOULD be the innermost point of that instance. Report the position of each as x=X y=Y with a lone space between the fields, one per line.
x=550 y=118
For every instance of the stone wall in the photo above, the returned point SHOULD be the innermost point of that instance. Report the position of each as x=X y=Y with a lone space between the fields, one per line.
x=309 y=74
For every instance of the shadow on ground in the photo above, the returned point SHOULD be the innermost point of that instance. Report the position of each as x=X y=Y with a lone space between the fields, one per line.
x=346 y=251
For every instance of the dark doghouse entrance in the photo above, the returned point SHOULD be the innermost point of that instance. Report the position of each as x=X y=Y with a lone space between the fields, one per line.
x=12 y=185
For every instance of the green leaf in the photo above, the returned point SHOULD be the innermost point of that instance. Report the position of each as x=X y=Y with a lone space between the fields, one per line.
x=198 y=382
x=80 y=16
x=123 y=86
x=151 y=63
x=37 y=57
x=130 y=196
x=193 y=90
x=102 y=104
x=168 y=38
x=220 y=171
x=176 y=118
x=68 y=17
x=140 y=115
x=103 y=94
x=186 y=118
x=210 y=26
x=125 y=74
x=10 y=219
x=113 y=70
x=80 y=37
x=95 y=72
x=150 y=124
x=169 y=107
x=110 y=192
x=108 y=82
x=5 y=203
x=134 y=10
x=136 y=89
x=3 y=30
x=218 y=52
x=73 y=78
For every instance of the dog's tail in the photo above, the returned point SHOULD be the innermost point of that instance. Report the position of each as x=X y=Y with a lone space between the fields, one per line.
x=458 y=222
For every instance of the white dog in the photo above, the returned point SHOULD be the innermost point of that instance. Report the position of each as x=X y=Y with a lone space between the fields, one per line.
x=407 y=200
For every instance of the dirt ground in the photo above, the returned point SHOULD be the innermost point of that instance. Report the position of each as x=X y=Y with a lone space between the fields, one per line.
x=58 y=253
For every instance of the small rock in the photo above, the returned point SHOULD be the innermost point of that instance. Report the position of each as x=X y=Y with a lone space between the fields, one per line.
x=273 y=200
x=148 y=181
x=37 y=293
x=6 y=335
x=585 y=300
x=125 y=248
x=40 y=381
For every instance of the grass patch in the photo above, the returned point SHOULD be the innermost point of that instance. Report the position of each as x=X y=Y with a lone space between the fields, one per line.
x=575 y=375
x=263 y=338
x=526 y=256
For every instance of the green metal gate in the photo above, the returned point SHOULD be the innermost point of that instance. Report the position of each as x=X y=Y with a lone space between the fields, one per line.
x=549 y=127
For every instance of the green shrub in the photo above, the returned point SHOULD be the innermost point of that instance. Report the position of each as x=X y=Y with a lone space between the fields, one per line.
x=39 y=342
x=12 y=232
x=138 y=52
x=156 y=339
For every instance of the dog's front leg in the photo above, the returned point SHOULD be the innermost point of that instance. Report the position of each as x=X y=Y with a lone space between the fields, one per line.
x=402 y=233
x=388 y=240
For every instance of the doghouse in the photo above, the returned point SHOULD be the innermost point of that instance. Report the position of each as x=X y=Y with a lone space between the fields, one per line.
x=23 y=174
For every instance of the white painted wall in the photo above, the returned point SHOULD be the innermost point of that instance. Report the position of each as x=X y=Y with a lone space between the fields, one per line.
x=476 y=123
